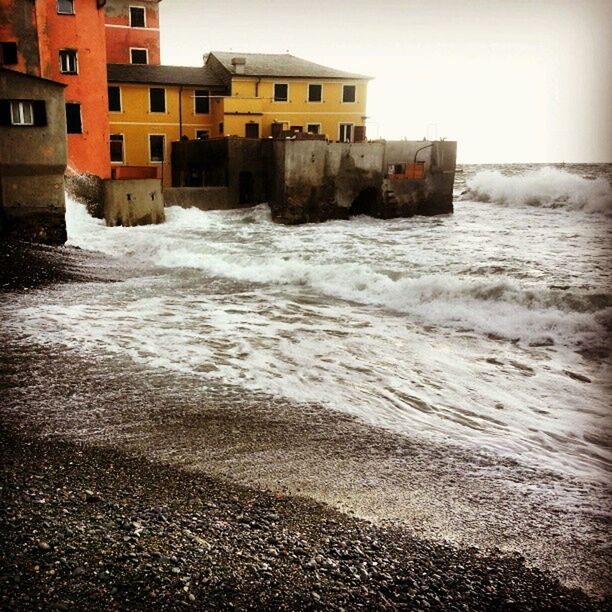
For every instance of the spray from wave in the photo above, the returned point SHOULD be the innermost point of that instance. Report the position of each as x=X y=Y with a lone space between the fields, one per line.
x=546 y=187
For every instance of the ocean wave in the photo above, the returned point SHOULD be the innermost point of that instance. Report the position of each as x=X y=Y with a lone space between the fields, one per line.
x=546 y=187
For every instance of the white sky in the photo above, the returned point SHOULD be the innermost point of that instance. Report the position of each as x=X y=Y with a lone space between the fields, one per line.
x=511 y=80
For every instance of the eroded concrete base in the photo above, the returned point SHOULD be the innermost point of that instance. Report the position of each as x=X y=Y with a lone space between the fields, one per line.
x=133 y=202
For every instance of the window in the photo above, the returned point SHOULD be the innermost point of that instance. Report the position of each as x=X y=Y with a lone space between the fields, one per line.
x=157 y=100
x=137 y=17
x=313 y=128
x=202 y=102
x=281 y=92
x=348 y=93
x=116 y=148
x=139 y=56
x=8 y=53
x=346 y=132
x=68 y=61
x=221 y=128
x=202 y=134
x=114 y=98
x=156 y=147
x=251 y=130
x=315 y=93
x=22 y=112
x=73 y=118
x=65 y=7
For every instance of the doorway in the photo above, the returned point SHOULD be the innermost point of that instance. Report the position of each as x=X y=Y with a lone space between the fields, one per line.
x=251 y=130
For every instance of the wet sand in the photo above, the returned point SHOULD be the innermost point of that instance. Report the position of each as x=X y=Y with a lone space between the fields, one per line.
x=425 y=495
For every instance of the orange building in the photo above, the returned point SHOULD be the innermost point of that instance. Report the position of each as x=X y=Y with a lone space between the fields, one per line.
x=132 y=31
x=64 y=40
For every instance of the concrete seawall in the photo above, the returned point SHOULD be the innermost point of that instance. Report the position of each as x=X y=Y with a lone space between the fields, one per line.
x=133 y=202
x=204 y=198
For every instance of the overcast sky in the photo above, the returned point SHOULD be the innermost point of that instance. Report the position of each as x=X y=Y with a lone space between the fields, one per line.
x=511 y=80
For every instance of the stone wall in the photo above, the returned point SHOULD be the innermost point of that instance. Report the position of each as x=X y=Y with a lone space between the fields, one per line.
x=204 y=198
x=33 y=160
x=133 y=202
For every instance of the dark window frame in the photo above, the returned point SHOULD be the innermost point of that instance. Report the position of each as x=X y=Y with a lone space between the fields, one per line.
x=144 y=16
x=320 y=86
x=67 y=56
x=201 y=99
x=153 y=102
x=317 y=125
x=8 y=53
x=139 y=50
x=162 y=157
x=117 y=138
x=202 y=134
x=278 y=98
x=71 y=128
x=346 y=88
x=58 y=6
x=117 y=108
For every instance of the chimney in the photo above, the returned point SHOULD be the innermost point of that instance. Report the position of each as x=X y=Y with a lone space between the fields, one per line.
x=238 y=63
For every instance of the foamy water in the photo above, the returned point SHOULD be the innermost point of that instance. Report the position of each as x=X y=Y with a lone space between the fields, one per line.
x=483 y=328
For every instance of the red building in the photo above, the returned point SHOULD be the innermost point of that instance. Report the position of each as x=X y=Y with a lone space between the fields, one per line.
x=132 y=31
x=64 y=40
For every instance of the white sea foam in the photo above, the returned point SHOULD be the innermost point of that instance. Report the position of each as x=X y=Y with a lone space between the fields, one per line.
x=547 y=187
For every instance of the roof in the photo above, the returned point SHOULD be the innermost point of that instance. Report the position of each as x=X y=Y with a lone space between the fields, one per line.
x=32 y=76
x=280 y=65
x=162 y=75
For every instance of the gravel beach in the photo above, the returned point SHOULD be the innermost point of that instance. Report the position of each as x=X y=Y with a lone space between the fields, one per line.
x=120 y=491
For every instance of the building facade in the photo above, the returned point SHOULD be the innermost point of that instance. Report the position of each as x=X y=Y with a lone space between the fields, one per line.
x=152 y=106
x=32 y=157
x=64 y=41
x=274 y=94
x=132 y=31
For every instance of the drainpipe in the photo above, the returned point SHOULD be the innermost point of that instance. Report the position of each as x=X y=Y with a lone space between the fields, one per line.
x=257 y=87
x=180 y=101
x=422 y=149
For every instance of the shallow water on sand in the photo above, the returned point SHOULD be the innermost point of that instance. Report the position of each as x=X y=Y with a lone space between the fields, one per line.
x=489 y=328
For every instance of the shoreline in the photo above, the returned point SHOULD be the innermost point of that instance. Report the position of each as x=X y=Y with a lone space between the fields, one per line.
x=234 y=440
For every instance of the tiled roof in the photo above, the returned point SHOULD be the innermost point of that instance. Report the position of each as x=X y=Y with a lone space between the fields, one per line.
x=163 y=75
x=280 y=65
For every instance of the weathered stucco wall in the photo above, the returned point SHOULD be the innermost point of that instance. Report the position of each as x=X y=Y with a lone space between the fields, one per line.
x=133 y=202
x=204 y=198
x=33 y=161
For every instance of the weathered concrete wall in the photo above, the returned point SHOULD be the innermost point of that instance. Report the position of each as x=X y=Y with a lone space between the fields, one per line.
x=204 y=198
x=33 y=161
x=133 y=202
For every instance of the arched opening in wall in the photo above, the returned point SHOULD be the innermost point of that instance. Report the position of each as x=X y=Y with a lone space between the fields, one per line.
x=365 y=203
x=245 y=188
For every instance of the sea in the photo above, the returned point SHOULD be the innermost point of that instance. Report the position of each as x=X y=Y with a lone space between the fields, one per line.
x=489 y=328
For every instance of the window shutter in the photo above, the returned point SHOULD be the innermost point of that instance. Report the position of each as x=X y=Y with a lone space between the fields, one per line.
x=5 y=112
x=40 y=112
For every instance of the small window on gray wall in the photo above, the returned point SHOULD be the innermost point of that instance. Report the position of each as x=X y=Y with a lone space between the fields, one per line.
x=281 y=92
x=157 y=99
x=137 y=17
x=23 y=113
x=114 y=98
x=73 y=118
x=348 y=93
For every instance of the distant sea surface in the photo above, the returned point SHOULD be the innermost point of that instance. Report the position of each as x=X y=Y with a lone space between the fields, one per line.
x=489 y=328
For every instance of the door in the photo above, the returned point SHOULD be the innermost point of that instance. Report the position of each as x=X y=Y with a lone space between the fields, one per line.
x=251 y=130
x=346 y=132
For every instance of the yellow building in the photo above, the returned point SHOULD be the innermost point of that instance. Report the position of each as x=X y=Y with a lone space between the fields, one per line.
x=273 y=93
x=233 y=94
x=151 y=106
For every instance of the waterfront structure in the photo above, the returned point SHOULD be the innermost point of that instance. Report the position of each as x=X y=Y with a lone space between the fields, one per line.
x=63 y=40
x=278 y=94
x=132 y=31
x=32 y=156
x=152 y=106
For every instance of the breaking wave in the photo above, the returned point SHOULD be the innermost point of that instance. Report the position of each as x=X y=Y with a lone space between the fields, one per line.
x=545 y=187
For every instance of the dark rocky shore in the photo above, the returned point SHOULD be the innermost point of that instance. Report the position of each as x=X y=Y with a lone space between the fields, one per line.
x=85 y=526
